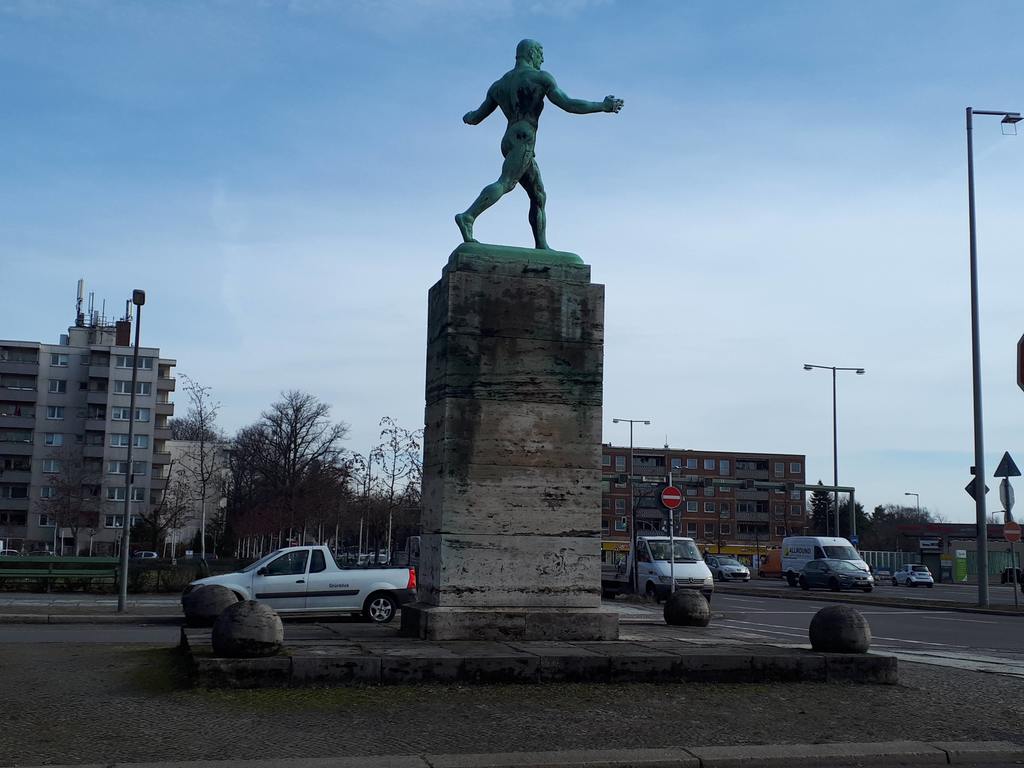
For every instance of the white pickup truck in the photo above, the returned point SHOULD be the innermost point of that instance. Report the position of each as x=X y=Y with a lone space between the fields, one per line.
x=308 y=580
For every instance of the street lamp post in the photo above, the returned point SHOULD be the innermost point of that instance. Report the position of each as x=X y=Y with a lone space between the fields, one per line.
x=835 y=442
x=917 y=498
x=632 y=506
x=138 y=299
x=1009 y=118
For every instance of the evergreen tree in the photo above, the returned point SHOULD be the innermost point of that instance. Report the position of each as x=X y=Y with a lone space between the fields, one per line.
x=821 y=511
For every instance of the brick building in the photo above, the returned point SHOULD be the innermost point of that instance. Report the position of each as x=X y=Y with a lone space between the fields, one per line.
x=731 y=499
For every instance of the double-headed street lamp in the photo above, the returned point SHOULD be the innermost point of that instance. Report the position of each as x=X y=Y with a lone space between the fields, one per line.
x=632 y=506
x=1009 y=118
x=835 y=442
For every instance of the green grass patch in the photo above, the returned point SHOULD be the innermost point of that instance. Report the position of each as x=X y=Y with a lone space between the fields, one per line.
x=159 y=670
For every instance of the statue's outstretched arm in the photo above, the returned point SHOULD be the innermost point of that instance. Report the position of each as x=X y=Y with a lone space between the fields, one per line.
x=480 y=114
x=578 y=106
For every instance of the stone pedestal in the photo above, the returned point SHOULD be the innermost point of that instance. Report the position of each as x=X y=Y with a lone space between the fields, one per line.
x=512 y=471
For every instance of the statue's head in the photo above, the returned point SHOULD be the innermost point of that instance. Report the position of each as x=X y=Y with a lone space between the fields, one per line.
x=530 y=52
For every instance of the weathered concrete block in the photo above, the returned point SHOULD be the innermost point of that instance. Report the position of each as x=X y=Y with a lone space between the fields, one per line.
x=512 y=434
x=440 y=623
x=531 y=501
x=248 y=630
x=861 y=668
x=687 y=608
x=510 y=571
x=330 y=667
x=782 y=668
x=204 y=604
x=272 y=672
x=840 y=629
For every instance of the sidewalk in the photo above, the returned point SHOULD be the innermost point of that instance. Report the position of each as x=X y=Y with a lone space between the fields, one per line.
x=894 y=753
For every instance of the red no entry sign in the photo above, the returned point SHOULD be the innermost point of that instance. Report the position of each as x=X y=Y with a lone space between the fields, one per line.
x=671 y=497
x=1011 y=531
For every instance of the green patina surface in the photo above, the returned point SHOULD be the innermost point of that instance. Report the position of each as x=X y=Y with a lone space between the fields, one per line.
x=509 y=254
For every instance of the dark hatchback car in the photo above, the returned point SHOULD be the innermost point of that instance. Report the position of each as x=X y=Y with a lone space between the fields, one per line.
x=835 y=575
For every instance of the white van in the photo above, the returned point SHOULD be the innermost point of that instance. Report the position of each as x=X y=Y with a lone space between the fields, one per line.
x=654 y=567
x=797 y=551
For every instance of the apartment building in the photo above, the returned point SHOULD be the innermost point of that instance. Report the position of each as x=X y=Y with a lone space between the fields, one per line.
x=64 y=412
x=731 y=499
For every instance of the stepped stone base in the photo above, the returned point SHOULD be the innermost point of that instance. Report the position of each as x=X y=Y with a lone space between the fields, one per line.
x=431 y=622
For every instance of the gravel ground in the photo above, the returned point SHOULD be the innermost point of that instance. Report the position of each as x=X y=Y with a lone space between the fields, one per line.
x=79 y=704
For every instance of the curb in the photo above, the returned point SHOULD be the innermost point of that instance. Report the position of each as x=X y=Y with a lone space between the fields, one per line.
x=89 y=618
x=764 y=756
x=882 y=602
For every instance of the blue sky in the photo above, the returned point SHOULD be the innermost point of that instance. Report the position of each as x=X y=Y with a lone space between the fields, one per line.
x=785 y=184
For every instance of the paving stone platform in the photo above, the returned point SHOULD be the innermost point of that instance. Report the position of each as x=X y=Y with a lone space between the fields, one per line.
x=360 y=654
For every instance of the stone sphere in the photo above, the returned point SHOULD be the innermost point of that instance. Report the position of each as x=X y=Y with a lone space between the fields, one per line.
x=840 y=629
x=204 y=604
x=248 y=630
x=687 y=608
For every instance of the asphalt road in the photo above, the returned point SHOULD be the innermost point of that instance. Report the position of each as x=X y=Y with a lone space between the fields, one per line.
x=999 y=594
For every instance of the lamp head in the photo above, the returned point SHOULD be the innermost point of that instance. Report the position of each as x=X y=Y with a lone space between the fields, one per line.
x=138 y=297
x=1011 y=119
x=808 y=367
x=860 y=371
x=646 y=422
x=615 y=421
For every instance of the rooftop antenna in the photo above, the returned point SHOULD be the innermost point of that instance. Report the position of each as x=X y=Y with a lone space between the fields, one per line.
x=666 y=441
x=79 y=317
x=103 y=312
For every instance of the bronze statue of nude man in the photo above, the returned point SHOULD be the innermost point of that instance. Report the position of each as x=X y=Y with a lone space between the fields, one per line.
x=520 y=94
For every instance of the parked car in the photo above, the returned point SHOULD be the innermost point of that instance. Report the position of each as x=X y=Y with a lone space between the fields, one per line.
x=912 y=575
x=308 y=580
x=727 y=568
x=835 y=575
x=9 y=553
x=797 y=551
x=145 y=555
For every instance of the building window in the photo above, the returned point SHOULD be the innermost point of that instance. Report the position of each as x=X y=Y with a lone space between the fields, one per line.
x=55 y=412
x=726 y=529
x=606 y=460
x=141 y=441
x=709 y=463
x=46 y=521
x=51 y=466
x=709 y=506
x=113 y=521
x=605 y=526
x=725 y=489
x=794 y=495
x=139 y=468
x=691 y=490
x=620 y=463
x=795 y=467
x=53 y=438
x=691 y=463
x=620 y=524
x=125 y=361
x=709 y=530
x=115 y=493
x=691 y=506
x=58 y=386
x=677 y=464
x=124 y=387
x=691 y=529
x=119 y=439
x=780 y=469
x=606 y=503
x=119 y=414
x=723 y=467
x=117 y=467
x=795 y=510
x=58 y=360
x=47 y=492
x=709 y=490
x=780 y=530
x=620 y=505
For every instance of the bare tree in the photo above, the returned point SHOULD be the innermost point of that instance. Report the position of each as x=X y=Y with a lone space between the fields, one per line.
x=174 y=510
x=73 y=500
x=201 y=462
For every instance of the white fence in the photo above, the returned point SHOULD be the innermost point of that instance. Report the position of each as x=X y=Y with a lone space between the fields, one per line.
x=890 y=561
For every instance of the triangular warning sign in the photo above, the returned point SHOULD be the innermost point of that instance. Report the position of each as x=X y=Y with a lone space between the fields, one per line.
x=1006 y=467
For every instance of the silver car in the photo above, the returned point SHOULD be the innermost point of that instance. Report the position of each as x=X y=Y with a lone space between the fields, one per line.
x=727 y=568
x=912 y=575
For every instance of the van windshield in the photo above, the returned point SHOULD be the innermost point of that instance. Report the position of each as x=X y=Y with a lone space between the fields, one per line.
x=685 y=550
x=842 y=553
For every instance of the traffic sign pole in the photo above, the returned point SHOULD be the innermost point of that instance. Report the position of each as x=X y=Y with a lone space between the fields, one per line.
x=672 y=538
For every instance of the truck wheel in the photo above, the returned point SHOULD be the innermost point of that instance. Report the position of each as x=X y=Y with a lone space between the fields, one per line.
x=649 y=589
x=380 y=608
